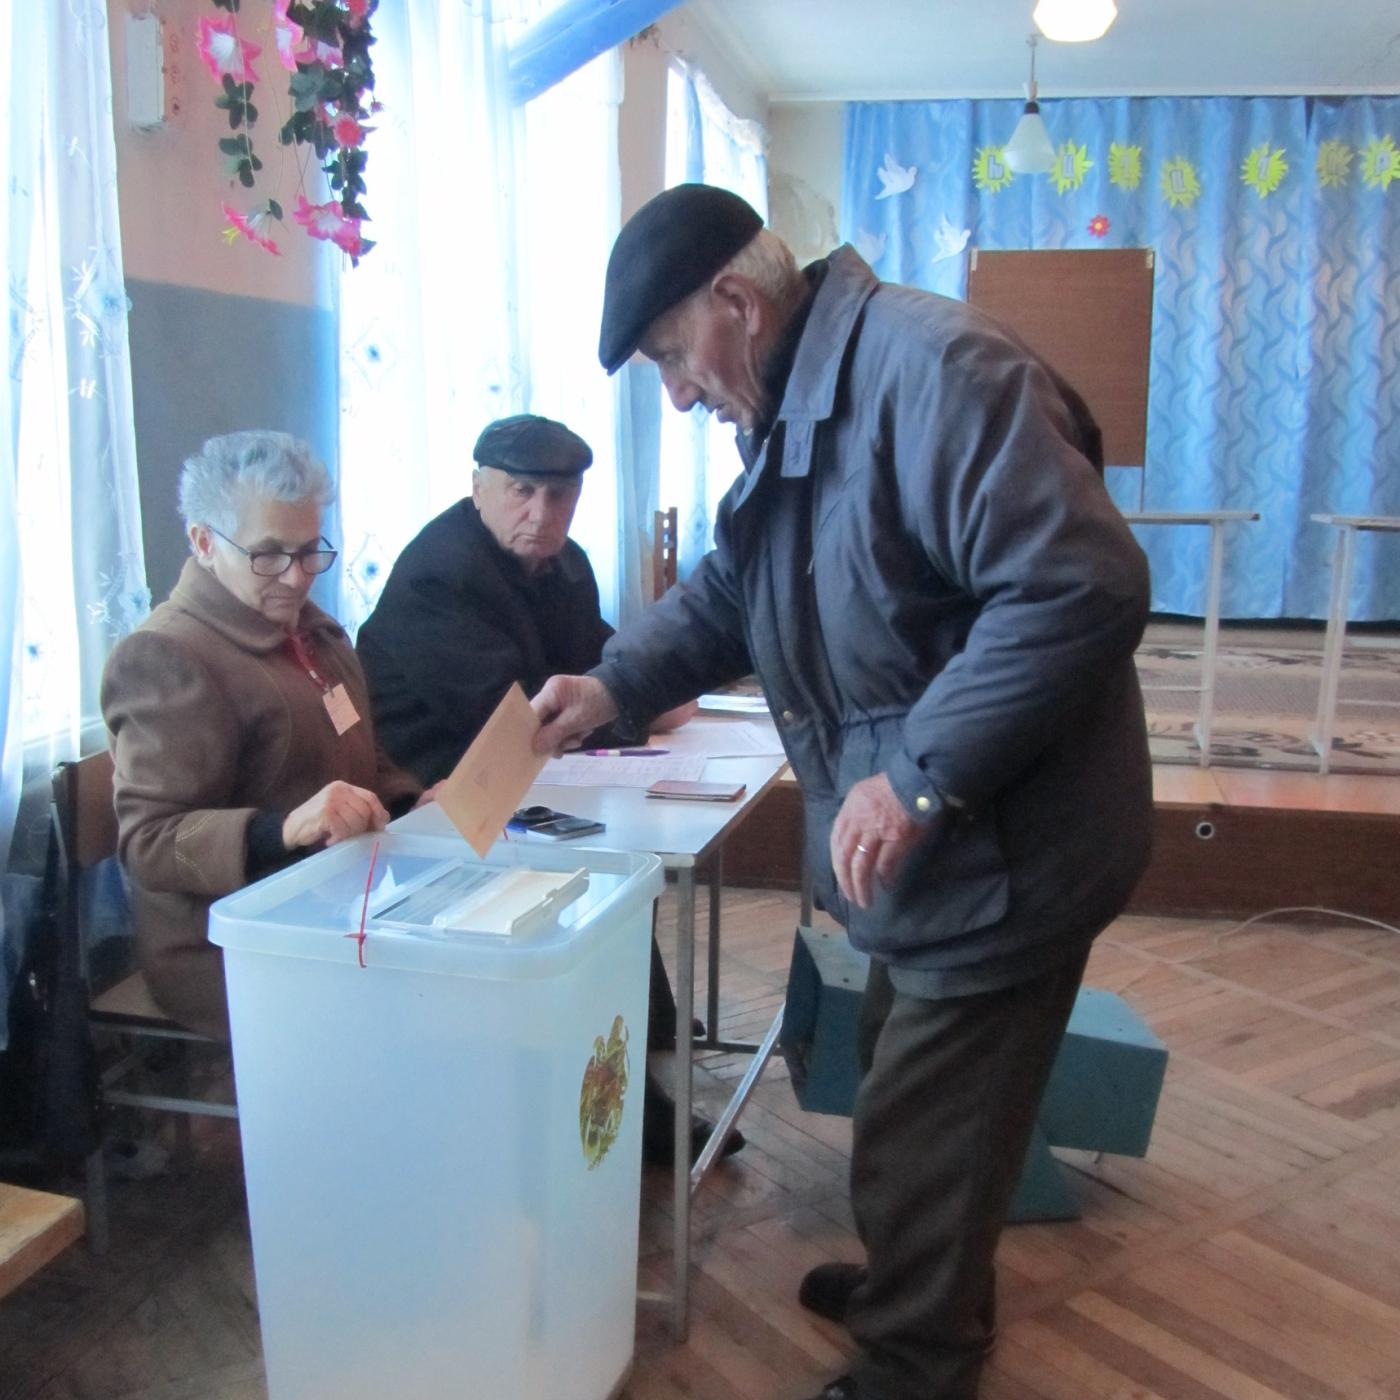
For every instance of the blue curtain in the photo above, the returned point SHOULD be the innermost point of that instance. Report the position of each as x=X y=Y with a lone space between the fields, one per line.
x=1275 y=367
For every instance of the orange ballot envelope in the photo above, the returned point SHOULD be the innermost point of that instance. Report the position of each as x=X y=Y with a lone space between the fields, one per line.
x=494 y=774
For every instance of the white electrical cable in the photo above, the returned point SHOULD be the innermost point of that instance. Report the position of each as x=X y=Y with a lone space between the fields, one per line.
x=1308 y=909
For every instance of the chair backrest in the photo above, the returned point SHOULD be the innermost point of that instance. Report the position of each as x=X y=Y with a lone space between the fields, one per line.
x=87 y=820
x=663 y=551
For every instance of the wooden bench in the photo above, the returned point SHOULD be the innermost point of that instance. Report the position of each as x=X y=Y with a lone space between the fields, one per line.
x=34 y=1227
x=1101 y=1097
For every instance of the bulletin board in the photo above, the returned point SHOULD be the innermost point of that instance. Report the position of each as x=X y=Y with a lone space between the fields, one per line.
x=1088 y=312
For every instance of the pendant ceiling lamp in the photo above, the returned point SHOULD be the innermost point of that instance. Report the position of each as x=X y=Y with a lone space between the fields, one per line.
x=1074 y=21
x=1029 y=151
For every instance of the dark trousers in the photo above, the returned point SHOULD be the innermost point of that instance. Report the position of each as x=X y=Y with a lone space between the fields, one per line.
x=942 y=1120
x=661 y=1001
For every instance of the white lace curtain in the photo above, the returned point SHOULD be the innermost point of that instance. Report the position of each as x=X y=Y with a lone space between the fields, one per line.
x=483 y=294
x=72 y=580
x=706 y=143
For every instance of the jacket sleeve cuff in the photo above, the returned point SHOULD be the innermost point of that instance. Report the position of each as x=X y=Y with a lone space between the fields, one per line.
x=266 y=852
x=632 y=715
x=920 y=797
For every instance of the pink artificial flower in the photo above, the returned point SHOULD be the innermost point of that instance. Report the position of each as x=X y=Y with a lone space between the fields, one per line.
x=1098 y=225
x=224 y=52
x=293 y=45
x=347 y=131
x=327 y=221
x=318 y=51
x=248 y=226
x=291 y=37
x=359 y=11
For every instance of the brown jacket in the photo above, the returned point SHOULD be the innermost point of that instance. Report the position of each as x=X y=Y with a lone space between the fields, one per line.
x=212 y=719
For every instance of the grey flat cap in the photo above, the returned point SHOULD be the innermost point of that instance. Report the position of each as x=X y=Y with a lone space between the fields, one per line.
x=528 y=445
x=667 y=250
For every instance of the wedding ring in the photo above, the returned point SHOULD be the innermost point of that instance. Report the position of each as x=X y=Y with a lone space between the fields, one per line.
x=865 y=849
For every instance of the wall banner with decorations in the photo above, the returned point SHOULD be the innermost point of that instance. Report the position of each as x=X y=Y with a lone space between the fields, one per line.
x=1275 y=367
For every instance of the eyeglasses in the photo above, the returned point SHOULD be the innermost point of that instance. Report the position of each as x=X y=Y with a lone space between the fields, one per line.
x=273 y=563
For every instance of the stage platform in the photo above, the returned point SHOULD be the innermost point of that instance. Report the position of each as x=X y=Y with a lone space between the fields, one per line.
x=1229 y=841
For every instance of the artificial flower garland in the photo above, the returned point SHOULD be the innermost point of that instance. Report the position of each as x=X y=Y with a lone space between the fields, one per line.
x=324 y=45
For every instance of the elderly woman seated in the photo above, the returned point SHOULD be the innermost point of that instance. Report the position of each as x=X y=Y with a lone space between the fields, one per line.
x=239 y=720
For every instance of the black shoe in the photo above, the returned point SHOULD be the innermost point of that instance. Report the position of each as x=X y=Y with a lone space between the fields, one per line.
x=842 y=1388
x=659 y=1135
x=826 y=1290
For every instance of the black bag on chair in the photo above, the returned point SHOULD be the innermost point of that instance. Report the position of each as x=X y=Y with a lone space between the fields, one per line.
x=48 y=1072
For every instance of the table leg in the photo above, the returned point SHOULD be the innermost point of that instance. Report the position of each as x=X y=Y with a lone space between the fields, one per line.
x=712 y=1040
x=1332 y=646
x=685 y=1014
x=1206 y=719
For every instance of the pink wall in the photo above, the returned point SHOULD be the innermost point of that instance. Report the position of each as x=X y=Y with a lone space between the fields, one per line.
x=171 y=180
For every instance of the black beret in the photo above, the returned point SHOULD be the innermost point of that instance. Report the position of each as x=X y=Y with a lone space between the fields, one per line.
x=667 y=250
x=528 y=445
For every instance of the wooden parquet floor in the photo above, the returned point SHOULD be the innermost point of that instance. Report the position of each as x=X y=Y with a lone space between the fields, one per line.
x=1251 y=1255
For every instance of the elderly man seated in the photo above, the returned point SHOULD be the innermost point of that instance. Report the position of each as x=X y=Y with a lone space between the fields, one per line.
x=490 y=592
x=493 y=591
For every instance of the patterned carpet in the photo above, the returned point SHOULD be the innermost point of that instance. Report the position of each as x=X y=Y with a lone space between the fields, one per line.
x=1266 y=706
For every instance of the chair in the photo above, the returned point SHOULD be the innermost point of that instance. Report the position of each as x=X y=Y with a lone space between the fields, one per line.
x=85 y=824
x=664 y=547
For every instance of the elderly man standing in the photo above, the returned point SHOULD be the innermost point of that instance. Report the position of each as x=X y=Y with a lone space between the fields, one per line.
x=922 y=565
x=494 y=591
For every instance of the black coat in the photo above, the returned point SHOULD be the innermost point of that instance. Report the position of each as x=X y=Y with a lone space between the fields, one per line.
x=459 y=619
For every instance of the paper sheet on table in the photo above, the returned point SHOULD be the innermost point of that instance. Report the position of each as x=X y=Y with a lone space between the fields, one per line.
x=582 y=770
x=740 y=738
x=494 y=774
x=726 y=703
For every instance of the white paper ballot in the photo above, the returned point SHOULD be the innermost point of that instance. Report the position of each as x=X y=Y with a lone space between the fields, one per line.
x=583 y=770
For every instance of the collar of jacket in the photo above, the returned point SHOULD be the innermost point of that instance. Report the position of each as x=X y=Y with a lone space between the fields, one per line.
x=810 y=396
x=203 y=597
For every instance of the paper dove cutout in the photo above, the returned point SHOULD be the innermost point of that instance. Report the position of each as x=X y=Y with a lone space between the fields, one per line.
x=871 y=246
x=948 y=241
x=895 y=178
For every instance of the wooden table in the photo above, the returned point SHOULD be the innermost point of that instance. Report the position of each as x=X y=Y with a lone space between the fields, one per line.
x=1216 y=520
x=34 y=1227
x=1343 y=558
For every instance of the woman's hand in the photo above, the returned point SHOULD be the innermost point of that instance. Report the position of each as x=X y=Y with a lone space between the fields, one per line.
x=673 y=719
x=338 y=812
x=428 y=794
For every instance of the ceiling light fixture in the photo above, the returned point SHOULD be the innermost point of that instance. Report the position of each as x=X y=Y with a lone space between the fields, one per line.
x=1029 y=151
x=1074 y=21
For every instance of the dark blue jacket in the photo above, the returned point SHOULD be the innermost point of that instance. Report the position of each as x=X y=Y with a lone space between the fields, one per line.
x=925 y=571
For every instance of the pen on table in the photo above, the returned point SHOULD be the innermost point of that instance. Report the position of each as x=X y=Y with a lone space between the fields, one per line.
x=623 y=753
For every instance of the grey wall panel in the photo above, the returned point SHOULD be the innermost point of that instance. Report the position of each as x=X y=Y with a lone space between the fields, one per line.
x=204 y=363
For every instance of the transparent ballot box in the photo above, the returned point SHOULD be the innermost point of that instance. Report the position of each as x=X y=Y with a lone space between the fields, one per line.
x=440 y=1075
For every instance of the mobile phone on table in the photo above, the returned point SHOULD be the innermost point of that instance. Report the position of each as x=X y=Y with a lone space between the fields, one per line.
x=555 y=826
x=696 y=792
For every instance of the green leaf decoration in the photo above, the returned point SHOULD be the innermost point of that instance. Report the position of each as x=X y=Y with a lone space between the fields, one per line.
x=320 y=94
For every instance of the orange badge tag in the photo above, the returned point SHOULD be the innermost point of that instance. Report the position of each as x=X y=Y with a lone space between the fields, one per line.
x=340 y=708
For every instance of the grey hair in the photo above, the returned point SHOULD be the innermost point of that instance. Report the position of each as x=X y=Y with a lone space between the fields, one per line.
x=767 y=262
x=267 y=465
